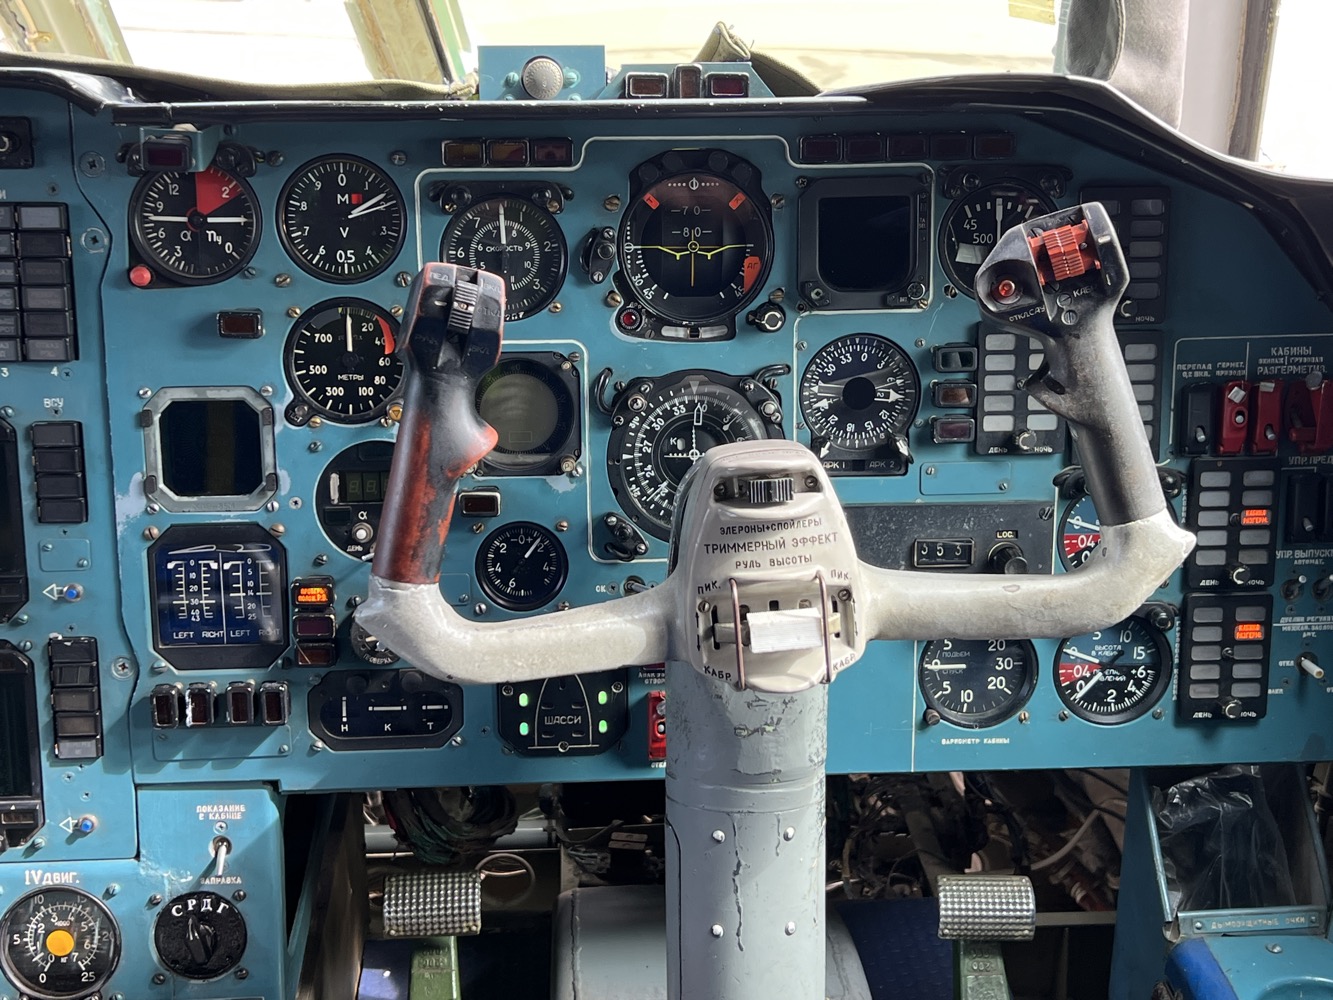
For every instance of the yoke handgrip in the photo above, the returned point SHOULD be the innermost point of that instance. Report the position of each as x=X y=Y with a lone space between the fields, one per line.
x=451 y=335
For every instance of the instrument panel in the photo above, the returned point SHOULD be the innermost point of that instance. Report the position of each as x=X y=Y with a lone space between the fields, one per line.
x=201 y=396
x=199 y=402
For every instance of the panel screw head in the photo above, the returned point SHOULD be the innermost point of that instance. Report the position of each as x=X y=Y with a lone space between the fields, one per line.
x=790 y=929
x=716 y=930
x=158 y=979
x=155 y=899
x=789 y=833
x=1275 y=948
x=719 y=836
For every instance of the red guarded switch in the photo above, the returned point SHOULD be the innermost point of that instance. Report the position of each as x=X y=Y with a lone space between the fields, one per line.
x=1308 y=415
x=1265 y=417
x=657 y=727
x=1234 y=423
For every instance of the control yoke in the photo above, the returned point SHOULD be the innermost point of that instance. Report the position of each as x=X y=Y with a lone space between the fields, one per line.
x=765 y=590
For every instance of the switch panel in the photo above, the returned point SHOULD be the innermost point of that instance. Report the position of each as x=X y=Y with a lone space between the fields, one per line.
x=1224 y=646
x=76 y=697
x=1233 y=513
x=36 y=293
x=581 y=715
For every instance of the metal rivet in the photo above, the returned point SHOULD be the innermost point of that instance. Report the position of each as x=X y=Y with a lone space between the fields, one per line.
x=155 y=899
x=716 y=930
x=789 y=833
x=1274 y=948
x=113 y=889
x=790 y=928
x=719 y=836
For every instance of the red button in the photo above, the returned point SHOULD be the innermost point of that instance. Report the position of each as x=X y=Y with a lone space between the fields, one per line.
x=140 y=276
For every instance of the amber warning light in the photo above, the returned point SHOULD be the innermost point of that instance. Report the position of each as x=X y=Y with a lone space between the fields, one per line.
x=1256 y=517
x=312 y=595
x=1250 y=630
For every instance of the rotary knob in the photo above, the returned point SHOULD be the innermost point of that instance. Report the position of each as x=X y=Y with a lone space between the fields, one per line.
x=1008 y=558
x=200 y=935
x=1231 y=708
x=542 y=78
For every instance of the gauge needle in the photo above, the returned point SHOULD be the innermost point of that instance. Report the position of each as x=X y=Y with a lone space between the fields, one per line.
x=371 y=205
x=226 y=218
x=502 y=224
x=1078 y=522
x=532 y=548
x=347 y=317
x=1076 y=655
x=167 y=218
x=999 y=220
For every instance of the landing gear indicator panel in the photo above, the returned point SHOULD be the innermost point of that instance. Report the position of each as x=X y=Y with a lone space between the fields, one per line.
x=219 y=596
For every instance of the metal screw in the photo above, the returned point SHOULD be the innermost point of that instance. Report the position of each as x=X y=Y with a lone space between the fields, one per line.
x=562 y=525
x=929 y=470
x=1002 y=485
x=479 y=609
x=282 y=280
x=82 y=563
x=152 y=508
x=321 y=559
x=144 y=392
x=278 y=530
x=611 y=203
x=47 y=547
x=1063 y=716
x=478 y=528
x=242 y=973
x=1274 y=948
x=617 y=687
x=1024 y=717
x=239 y=895
x=121 y=668
x=457 y=741
x=284 y=749
x=314 y=446
x=716 y=930
x=396 y=311
x=1198 y=925
x=704 y=607
x=155 y=899
x=38 y=843
x=25 y=646
x=719 y=836
x=398 y=158
x=158 y=979
x=790 y=928
x=720 y=490
x=1157 y=713
x=789 y=833
x=778 y=202
x=555 y=307
x=844 y=594
x=113 y=889
x=613 y=298
x=271 y=506
x=402 y=279
x=293 y=312
x=220 y=827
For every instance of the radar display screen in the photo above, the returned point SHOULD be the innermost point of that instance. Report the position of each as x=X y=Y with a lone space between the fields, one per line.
x=219 y=596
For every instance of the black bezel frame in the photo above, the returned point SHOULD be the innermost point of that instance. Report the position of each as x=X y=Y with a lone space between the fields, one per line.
x=995 y=716
x=141 y=253
x=1162 y=685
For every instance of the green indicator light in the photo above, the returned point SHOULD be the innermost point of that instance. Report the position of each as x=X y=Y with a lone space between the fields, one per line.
x=601 y=726
x=523 y=727
x=601 y=698
x=523 y=701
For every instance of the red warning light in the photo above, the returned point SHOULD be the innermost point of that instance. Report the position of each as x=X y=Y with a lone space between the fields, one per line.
x=1259 y=517
x=1249 y=631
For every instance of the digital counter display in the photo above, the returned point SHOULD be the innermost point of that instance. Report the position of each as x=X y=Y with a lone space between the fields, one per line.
x=219 y=602
x=363 y=487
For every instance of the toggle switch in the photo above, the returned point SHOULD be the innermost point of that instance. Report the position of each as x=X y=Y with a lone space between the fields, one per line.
x=1308 y=662
x=221 y=851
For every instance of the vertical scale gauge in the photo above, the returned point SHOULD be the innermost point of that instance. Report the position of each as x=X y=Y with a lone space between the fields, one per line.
x=341 y=361
x=858 y=396
x=975 y=223
x=341 y=219
x=59 y=943
x=194 y=228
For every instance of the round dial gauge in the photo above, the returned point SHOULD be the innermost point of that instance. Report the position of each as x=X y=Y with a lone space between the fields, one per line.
x=515 y=239
x=59 y=943
x=669 y=430
x=200 y=935
x=522 y=566
x=196 y=228
x=340 y=360
x=858 y=391
x=1114 y=675
x=341 y=219
x=976 y=222
x=533 y=413
x=977 y=682
x=1080 y=532
x=695 y=248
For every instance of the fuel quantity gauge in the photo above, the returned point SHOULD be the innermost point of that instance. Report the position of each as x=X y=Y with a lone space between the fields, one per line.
x=58 y=944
